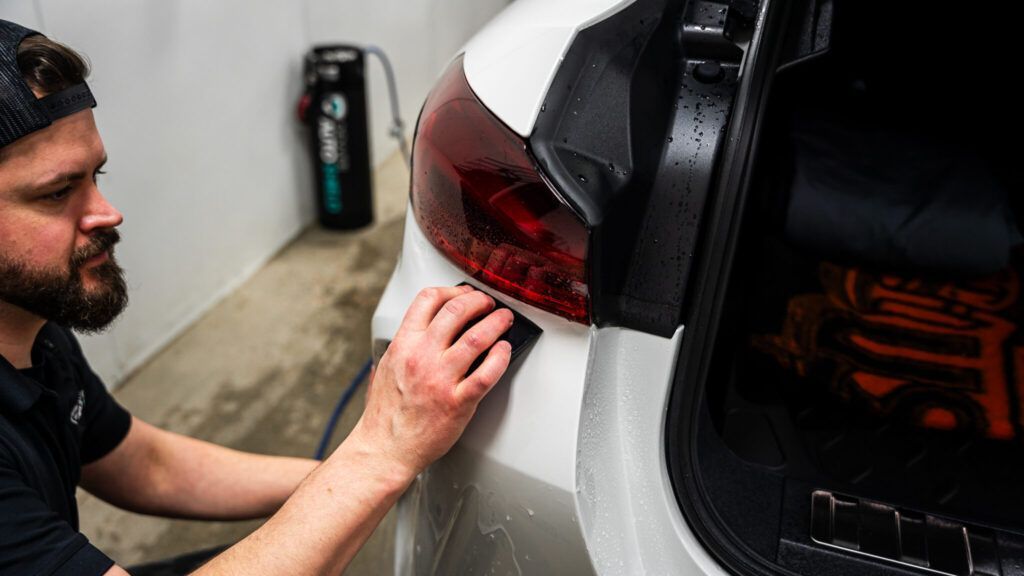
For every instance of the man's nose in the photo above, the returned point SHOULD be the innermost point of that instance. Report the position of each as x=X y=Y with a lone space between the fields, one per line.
x=99 y=213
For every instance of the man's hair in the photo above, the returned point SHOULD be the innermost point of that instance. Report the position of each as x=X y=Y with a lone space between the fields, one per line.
x=49 y=67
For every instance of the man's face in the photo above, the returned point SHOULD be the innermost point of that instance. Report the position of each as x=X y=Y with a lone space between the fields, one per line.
x=57 y=231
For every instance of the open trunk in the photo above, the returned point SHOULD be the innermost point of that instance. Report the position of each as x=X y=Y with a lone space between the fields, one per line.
x=850 y=396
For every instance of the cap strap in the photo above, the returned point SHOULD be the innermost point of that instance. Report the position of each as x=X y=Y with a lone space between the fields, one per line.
x=68 y=101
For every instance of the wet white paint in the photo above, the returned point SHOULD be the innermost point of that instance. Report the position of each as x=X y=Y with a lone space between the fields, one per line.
x=510 y=63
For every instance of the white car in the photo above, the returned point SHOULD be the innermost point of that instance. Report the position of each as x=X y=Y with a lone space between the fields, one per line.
x=830 y=392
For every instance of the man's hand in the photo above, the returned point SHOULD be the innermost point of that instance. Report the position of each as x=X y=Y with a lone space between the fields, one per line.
x=417 y=406
x=421 y=397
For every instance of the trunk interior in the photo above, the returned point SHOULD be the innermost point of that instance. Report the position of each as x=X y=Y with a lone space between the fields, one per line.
x=863 y=407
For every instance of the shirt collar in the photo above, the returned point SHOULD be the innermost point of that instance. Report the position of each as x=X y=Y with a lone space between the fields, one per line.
x=18 y=392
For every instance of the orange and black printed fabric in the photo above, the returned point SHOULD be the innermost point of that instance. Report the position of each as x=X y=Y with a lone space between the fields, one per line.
x=948 y=353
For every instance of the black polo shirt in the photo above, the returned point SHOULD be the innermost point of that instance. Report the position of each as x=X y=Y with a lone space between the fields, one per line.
x=54 y=417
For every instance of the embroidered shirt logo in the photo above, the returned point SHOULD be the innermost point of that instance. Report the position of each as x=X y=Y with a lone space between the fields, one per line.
x=76 y=412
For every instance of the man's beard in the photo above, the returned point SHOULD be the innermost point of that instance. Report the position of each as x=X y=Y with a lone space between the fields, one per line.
x=61 y=297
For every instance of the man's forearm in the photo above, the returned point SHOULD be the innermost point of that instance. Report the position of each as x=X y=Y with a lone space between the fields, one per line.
x=325 y=522
x=158 y=472
x=216 y=483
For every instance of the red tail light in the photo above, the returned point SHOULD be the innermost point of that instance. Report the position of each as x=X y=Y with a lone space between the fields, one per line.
x=479 y=196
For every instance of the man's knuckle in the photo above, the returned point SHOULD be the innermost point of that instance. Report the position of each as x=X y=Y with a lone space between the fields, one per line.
x=453 y=404
x=433 y=294
x=411 y=363
x=473 y=341
x=454 y=307
x=476 y=299
x=474 y=382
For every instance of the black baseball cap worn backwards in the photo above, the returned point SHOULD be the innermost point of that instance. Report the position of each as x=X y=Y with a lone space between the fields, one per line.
x=21 y=113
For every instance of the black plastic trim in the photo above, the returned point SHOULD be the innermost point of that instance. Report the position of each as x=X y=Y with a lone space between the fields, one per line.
x=708 y=294
x=629 y=134
x=601 y=131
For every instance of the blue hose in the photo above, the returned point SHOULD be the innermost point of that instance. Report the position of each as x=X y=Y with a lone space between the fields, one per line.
x=398 y=132
x=346 y=396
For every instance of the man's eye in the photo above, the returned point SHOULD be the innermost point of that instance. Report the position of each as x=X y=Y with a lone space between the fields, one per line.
x=96 y=174
x=58 y=195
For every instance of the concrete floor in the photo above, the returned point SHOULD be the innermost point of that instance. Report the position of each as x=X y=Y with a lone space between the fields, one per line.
x=262 y=370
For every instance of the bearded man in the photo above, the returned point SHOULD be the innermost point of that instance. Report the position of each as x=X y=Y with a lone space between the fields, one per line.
x=59 y=428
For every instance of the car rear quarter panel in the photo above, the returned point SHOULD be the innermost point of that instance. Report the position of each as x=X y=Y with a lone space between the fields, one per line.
x=507 y=489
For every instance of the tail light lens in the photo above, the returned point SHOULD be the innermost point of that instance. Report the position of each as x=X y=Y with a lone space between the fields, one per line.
x=480 y=198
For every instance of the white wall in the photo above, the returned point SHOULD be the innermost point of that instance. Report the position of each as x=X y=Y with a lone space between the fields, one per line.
x=419 y=36
x=197 y=111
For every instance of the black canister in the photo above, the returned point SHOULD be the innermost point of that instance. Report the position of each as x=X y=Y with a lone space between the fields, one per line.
x=335 y=109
